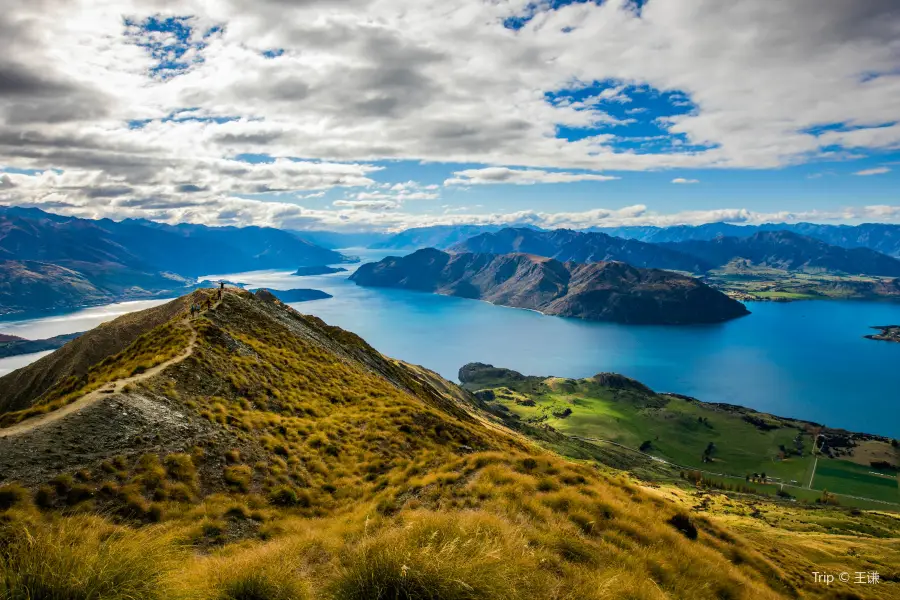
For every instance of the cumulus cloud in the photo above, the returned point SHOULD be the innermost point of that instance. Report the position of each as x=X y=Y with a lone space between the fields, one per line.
x=140 y=120
x=875 y=171
x=683 y=180
x=494 y=175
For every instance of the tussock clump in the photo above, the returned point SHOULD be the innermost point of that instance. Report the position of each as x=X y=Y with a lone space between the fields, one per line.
x=263 y=582
x=84 y=559
x=12 y=495
x=685 y=525
x=441 y=558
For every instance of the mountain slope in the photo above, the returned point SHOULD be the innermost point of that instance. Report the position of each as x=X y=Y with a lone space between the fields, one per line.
x=791 y=252
x=22 y=388
x=566 y=245
x=289 y=459
x=609 y=291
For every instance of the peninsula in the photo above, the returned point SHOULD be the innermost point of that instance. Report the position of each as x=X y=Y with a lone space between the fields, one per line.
x=318 y=270
x=602 y=291
x=889 y=333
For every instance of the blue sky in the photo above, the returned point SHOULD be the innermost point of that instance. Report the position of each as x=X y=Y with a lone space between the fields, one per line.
x=385 y=114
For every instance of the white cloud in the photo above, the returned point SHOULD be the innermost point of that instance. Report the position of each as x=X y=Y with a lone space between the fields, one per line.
x=494 y=175
x=371 y=204
x=683 y=180
x=361 y=81
x=875 y=171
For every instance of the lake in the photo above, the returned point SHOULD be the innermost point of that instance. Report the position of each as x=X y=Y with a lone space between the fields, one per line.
x=806 y=360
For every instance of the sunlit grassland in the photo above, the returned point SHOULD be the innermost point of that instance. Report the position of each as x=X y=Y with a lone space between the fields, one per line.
x=674 y=429
x=777 y=284
x=844 y=477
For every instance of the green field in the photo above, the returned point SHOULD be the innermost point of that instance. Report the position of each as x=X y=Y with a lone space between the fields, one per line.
x=808 y=496
x=750 y=282
x=674 y=431
x=679 y=430
x=843 y=477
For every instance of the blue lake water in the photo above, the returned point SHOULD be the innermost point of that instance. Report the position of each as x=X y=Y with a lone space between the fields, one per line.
x=804 y=359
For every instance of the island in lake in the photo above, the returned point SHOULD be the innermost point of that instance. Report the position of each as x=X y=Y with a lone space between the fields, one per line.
x=318 y=270
x=602 y=291
x=302 y=295
x=889 y=333
x=11 y=345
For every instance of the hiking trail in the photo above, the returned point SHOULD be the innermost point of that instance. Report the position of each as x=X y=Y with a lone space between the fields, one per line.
x=107 y=389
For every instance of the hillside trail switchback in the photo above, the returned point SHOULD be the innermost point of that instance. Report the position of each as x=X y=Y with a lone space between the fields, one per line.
x=107 y=390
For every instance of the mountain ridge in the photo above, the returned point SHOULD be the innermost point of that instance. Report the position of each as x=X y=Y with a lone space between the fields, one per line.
x=791 y=252
x=568 y=245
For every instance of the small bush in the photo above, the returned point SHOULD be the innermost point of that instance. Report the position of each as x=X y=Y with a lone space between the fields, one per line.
x=43 y=496
x=238 y=477
x=12 y=495
x=685 y=525
x=290 y=496
x=79 y=493
x=180 y=467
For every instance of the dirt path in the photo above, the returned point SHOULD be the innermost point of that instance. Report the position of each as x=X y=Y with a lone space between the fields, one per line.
x=108 y=389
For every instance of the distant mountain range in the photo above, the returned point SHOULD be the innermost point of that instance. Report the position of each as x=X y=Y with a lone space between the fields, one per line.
x=790 y=252
x=437 y=236
x=335 y=240
x=775 y=249
x=51 y=262
x=566 y=245
x=882 y=237
x=608 y=291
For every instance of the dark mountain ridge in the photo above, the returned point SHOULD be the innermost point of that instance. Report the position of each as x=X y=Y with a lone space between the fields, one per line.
x=434 y=236
x=52 y=262
x=881 y=237
x=567 y=245
x=791 y=252
x=609 y=291
x=186 y=249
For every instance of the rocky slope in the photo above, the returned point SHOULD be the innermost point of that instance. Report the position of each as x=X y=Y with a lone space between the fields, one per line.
x=566 y=245
x=791 y=252
x=608 y=291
